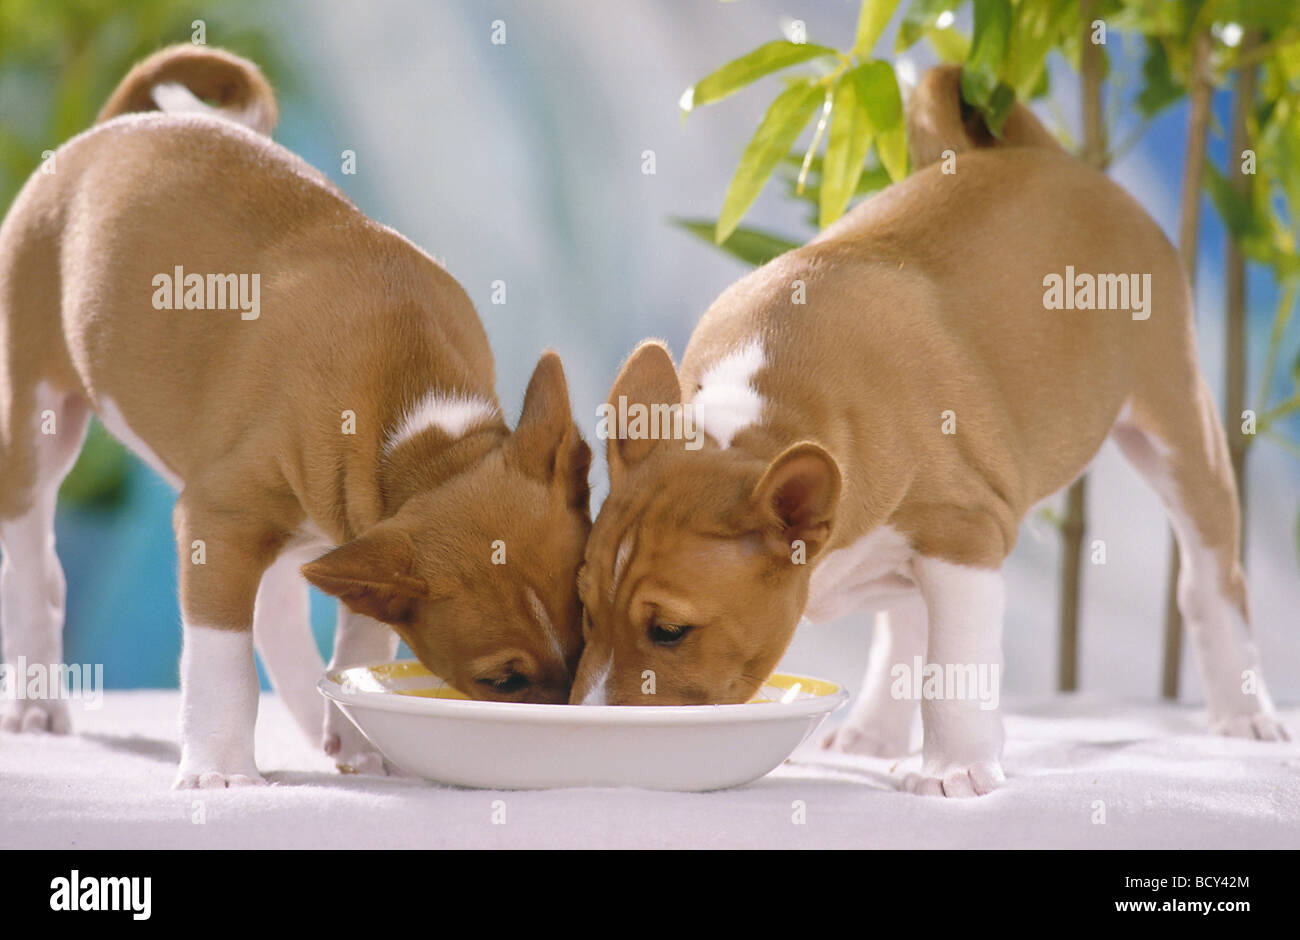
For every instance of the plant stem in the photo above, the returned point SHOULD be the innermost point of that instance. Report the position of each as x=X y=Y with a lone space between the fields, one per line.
x=1234 y=348
x=1074 y=525
x=1198 y=123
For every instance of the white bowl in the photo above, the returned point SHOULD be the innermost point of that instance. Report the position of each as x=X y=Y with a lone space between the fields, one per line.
x=429 y=729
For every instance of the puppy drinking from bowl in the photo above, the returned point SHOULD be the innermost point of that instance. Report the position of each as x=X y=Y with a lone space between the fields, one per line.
x=877 y=446
x=312 y=383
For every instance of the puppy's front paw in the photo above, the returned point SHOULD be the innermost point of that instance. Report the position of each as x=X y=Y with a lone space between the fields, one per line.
x=975 y=779
x=353 y=758
x=36 y=716
x=351 y=752
x=1261 y=726
x=866 y=741
x=216 y=780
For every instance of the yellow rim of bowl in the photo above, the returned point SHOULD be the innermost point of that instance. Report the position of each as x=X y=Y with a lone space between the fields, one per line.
x=778 y=687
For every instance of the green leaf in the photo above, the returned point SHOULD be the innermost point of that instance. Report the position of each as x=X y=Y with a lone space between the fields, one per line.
x=1234 y=208
x=748 y=244
x=1159 y=86
x=780 y=127
x=98 y=479
x=1251 y=223
x=920 y=17
x=873 y=178
x=1037 y=27
x=981 y=85
x=872 y=20
x=735 y=75
x=846 y=149
x=949 y=45
x=878 y=91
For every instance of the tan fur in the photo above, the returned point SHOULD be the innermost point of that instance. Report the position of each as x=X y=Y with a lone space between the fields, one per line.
x=926 y=298
x=248 y=414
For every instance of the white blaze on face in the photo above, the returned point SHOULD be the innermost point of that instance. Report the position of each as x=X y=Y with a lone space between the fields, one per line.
x=596 y=694
x=453 y=414
x=620 y=563
x=726 y=402
x=544 y=620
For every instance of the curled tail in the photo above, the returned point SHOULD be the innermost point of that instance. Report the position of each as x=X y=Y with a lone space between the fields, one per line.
x=938 y=120
x=187 y=77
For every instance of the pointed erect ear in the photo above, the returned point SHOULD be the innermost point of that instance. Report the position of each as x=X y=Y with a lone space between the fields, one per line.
x=546 y=444
x=797 y=496
x=373 y=575
x=647 y=378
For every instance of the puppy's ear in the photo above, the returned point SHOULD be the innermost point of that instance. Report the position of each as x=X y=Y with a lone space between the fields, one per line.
x=796 y=498
x=373 y=575
x=647 y=378
x=546 y=445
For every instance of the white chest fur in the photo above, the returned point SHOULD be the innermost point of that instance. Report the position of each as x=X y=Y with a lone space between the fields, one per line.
x=869 y=574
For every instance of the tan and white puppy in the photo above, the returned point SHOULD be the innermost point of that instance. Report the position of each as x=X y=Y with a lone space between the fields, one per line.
x=308 y=380
x=881 y=407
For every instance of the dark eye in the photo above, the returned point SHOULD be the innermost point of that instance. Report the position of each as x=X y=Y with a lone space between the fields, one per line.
x=668 y=634
x=506 y=684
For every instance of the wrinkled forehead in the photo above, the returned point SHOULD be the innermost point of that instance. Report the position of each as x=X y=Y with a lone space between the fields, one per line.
x=652 y=563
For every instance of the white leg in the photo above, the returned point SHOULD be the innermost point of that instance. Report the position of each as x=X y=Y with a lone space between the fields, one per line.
x=284 y=641
x=962 y=752
x=218 y=709
x=880 y=723
x=1237 y=699
x=32 y=587
x=357 y=640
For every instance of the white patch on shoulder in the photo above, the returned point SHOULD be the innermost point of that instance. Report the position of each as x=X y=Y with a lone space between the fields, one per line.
x=452 y=414
x=870 y=573
x=726 y=401
x=110 y=415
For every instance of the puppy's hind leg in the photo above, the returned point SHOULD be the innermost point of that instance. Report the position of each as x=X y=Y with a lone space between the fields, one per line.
x=880 y=725
x=46 y=428
x=1172 y=436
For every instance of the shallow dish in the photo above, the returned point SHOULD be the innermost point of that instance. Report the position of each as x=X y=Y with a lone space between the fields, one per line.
x=431 y=730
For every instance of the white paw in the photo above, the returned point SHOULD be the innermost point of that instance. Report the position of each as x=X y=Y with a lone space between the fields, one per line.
x=356 y=762
x=1261 y=726
x=36 y=716
x=215 y=780
x=976 y=779
x=868 y=742
x=351 y=752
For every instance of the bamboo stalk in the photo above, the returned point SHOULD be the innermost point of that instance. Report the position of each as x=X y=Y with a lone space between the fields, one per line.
x=1235 y=351
x=1074 y=526
x=1198 y=123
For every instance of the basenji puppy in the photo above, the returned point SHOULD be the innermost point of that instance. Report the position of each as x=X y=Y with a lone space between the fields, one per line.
x=880 y=408
x=310 y=382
